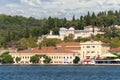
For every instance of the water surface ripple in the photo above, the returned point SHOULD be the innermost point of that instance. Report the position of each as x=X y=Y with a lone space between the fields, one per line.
x=59 y=73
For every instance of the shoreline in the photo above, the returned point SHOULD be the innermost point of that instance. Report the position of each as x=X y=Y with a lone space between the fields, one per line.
x=59 y=64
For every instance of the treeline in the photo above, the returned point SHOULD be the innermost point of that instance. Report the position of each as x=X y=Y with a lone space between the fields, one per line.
x=15 y=28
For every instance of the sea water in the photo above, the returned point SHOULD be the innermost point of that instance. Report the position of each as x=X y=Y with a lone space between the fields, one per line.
x=59 y=72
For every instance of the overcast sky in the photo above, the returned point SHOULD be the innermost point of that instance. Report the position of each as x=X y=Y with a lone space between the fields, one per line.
x=56 y=8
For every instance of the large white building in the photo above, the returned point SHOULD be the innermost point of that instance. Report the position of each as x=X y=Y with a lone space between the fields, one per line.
x=65 y=52
x=93 y=49
x=64 y=32
x=87 y=32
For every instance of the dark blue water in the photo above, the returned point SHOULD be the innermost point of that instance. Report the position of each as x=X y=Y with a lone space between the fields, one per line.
x=59 y=73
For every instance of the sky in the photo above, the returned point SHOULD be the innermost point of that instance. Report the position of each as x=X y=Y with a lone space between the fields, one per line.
x=56 y=8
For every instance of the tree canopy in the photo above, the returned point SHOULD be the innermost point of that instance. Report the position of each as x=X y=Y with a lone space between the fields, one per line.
x=34 y=59
x=76 y=60
x=6 y=58
x=15 y=28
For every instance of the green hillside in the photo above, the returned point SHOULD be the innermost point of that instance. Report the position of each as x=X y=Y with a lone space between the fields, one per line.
x=17 y=29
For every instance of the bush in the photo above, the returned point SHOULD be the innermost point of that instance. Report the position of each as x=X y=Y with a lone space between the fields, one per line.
x=76 y=60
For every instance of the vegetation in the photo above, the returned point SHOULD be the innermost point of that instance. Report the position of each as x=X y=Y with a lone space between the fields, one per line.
x=47 y=59
x=34 y=59
x=111 y=36
x=79 y=39
x=117 y=55
x=49 y=42
x=68 y=38
x=17 y=31
x=17 y=59
x=76 y=60
x=6 y=58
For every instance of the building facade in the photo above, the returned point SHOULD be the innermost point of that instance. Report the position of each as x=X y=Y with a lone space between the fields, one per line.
x=93 y=49
x=86 y=32
x=59 y=55
x=64 y=53
x=64 y=32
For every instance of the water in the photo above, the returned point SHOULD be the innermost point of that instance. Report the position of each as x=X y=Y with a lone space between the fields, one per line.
x=59 y=73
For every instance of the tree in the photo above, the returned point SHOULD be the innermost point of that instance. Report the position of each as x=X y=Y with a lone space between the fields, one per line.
x=50 y=42
x=73 y=18
x=26 y=35
x=81 y=23
x=17 y=59
x=22 y=44
x=50 y=22
x=31 y=42
x=47 y=59
x=116 y=54
x=55 y=30
x=87 y=18
x=70 y=37
x=6 y=58
x=34 y=59
x=76 y=60
x=35 y=32
x=64 y=22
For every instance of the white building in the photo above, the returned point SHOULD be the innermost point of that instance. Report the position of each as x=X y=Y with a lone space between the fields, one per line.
x=64 y=32
x=63 y=54
x=87 y=32
x=93 y=49
x=117 y=26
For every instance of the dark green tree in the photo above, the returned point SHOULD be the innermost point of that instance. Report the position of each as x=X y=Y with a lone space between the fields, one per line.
x=50 y=23
x=81 y=23
x=34 y=59
x=17 y=59
x=73 y=18
x=6 y=58
x=76 y=60
x=88 y=19
x=36 y=32
x=47 y=59
x=26 y=34
x=64 y=23
x=50 y=42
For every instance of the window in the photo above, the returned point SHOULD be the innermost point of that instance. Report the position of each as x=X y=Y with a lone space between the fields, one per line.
x=52 y=57
x=93 y=52
x=25 y=57
x=87 y=46
x=88 y=52
x=93 y=46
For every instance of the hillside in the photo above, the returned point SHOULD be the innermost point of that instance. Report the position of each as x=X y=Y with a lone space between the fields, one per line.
x=15 y=28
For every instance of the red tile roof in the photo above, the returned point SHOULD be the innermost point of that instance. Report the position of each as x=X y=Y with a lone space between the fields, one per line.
x=115 y=49
x=69 y=44
x=46 y=50
x=89 y=26
x=70 y=48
